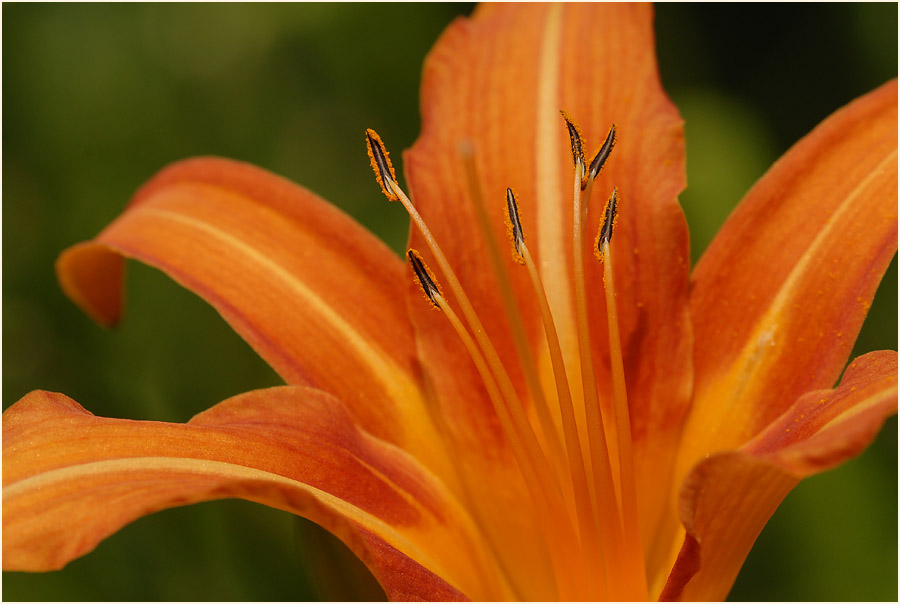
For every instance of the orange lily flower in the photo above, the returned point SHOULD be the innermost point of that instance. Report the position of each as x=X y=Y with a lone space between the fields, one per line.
x=567 y=429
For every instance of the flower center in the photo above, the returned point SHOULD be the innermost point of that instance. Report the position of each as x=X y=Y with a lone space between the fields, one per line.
x=588 y=500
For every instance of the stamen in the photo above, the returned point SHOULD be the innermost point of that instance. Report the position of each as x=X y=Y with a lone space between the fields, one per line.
x=521 y=424
x=381 y=164
x=577 y=142
x=516 y=324
x=432 y=290
x=597 y=166
x=561 y=557
x=610 y=214
x=424 y=278
x=603 y=153
x=620 y=398
x=618 y=567
x=585 y=508
x=514 y=227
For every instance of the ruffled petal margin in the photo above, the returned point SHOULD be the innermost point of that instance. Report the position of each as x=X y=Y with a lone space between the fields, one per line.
x=70 y=479
x=728 y=497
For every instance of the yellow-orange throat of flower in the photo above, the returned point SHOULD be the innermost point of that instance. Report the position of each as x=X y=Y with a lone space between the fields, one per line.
x=585 y=501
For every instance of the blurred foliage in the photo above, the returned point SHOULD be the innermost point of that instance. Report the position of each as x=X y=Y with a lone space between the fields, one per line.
x=98 y=97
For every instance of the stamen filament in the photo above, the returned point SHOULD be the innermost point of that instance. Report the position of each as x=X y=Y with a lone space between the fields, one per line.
x=630 y=522
x=520 y=422
x=631 y=581
x=620 y=410
x=562 y=558
x=607 y=502
x=517 y=325
x=585 y=506
x=490 y=353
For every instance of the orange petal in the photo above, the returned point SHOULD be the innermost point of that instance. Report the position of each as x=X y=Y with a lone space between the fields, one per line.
x=825 y=428
x=498 y=81
x=727 y=498
x=71 y=479
x=781 y=293
x=315 y=294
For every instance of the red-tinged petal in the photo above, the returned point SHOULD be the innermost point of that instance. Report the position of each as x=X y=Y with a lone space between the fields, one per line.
x=498 y=81
x=825 y=428
x=71 y=479
x=781 y=293
x=315 y=294
x=725 y=502
x=727 y=498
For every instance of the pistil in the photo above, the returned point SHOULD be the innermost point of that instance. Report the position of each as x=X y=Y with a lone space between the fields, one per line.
x=520 y=421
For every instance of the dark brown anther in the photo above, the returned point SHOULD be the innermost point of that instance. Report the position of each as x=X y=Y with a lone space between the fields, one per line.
x=424 y=278
x=609 y=221
x=576 y=140
x=514 y=226
x=602 y=154
x=381 y=164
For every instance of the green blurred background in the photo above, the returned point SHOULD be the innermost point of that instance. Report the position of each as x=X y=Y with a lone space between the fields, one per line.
x=96 y=98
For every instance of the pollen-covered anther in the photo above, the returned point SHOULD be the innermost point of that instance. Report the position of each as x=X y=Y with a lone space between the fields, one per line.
x=577 y=142
x=610 y=214
x=381 y=164
x=603 y=154
x=514 y=227
x=425 y=278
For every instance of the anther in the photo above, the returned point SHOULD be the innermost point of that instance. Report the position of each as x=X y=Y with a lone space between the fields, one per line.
x=610 y=213
x=577 y=146
x=602 y=154
x=424 y=278
x=514 y=227
x=381 y=164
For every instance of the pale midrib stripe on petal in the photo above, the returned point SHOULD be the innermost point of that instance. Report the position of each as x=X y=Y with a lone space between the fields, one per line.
x=394 y=380
x=225 y=471
x=553 y=242
x=549 y=204
x=754 y=358
x=867 y=403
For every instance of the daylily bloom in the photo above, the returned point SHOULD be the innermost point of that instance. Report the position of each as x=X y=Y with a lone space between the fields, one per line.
x=572 y=428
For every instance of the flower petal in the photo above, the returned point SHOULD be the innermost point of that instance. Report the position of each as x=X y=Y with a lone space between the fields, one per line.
x=781 y=293
x=315 y=294
x=498 y=81
x=728 y=497
x=825 y=428
x=71 y=479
